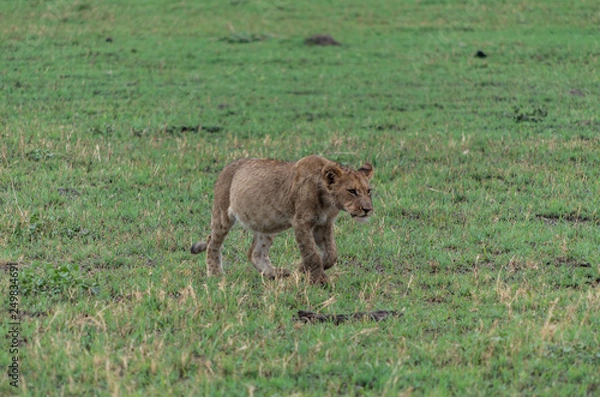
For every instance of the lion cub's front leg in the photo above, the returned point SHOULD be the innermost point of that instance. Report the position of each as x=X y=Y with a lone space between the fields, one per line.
x=312 y=263
x=326 y=242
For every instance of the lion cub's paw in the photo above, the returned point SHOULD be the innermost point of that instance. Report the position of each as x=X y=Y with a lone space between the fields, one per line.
x=277 y=273
x=319 y=279
x=215 y=272
x=280 y=272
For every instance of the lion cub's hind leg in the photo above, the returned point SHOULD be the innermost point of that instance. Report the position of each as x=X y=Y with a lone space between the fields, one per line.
x=221 y=223
x=259 y=256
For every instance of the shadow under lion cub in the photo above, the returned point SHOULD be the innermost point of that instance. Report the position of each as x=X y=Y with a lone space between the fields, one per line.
x=270 y=196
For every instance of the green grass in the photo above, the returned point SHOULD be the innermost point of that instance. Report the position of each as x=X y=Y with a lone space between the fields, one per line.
x=486 y=194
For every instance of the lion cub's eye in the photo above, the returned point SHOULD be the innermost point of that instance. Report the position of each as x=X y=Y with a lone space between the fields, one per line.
x=352 y=192
x=369 y=192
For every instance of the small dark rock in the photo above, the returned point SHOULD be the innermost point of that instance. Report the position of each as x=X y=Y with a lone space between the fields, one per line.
x=321 y=39
x=480 y=54
x=576 y=92
x=109 y=39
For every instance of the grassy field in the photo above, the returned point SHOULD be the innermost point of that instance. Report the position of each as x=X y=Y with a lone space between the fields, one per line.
x=116 y=117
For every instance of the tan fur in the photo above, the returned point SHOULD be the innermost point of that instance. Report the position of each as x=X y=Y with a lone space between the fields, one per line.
x=269 y=196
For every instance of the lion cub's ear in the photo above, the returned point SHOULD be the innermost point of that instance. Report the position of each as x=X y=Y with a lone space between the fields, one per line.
x=331 y=173
x=367 y=170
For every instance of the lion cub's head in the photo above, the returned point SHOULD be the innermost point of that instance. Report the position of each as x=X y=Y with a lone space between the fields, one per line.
x=350 y=189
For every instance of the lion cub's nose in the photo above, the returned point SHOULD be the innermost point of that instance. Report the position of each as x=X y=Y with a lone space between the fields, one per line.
x=367 y=209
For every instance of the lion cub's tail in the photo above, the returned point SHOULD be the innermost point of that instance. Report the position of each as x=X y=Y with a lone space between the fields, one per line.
x=200 y=246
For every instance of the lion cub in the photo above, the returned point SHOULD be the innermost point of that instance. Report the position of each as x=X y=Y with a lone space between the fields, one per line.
x=269 y=196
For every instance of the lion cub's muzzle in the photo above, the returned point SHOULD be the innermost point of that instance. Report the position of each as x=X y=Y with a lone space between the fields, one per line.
x=363 y=214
